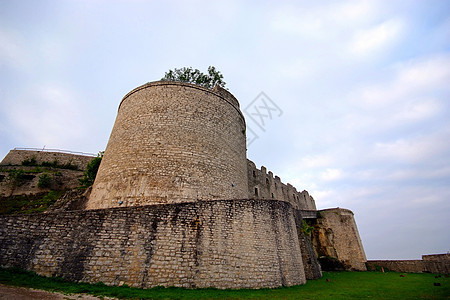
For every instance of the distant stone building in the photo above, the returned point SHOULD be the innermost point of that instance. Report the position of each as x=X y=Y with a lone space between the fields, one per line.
x=177 y=203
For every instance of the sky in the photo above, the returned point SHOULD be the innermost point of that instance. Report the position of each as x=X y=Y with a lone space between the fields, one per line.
x=359 y=93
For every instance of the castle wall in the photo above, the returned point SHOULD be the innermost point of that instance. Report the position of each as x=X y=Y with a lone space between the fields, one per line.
x=309 y=258
x=263 y=185
x=437 y=263
x=173 y=142
x=224 y=244
x=336 y=236
x=16 y=157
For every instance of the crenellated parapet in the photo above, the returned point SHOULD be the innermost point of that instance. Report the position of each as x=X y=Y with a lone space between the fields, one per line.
x=264 y=185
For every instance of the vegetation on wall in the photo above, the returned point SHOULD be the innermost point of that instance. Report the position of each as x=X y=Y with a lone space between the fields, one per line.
x=53 y=164
x=26 y=204
x=45 y=180
x=91 y=171
x=30 y=161
x=307 y=228
x=210 y=80
x=16 y=177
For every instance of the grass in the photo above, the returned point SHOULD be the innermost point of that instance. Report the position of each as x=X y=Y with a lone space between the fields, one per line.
x=333 y=285
x=27 y=204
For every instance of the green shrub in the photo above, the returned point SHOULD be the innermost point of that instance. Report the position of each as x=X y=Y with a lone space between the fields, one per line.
x=17 y=177
x=30 y=161
x=55 y=164
x=45 y=180
x=91 y=171
x=306 y=228
x=210 y=80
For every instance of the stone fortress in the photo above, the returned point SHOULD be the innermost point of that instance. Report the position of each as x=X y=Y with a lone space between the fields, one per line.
x=176 y=202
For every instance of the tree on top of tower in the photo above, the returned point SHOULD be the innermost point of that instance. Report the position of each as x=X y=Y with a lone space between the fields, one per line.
x=210 y=80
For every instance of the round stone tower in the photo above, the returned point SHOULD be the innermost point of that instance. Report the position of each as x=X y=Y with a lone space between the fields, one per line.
x=173 y=142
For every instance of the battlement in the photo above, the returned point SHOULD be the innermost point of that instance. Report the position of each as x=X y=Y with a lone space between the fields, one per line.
x=264 y=185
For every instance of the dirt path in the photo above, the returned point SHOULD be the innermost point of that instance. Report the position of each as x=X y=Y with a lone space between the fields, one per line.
x=19 y=293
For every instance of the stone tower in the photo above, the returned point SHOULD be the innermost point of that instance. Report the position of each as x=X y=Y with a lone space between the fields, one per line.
x=173 y=142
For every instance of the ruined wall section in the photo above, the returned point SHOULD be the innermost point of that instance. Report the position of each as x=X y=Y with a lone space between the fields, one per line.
x=434 y=263
x=309 y=258
x=16 y=157
x=336 y=236
x=263 y=185
x=173 y=142
x=223 y=244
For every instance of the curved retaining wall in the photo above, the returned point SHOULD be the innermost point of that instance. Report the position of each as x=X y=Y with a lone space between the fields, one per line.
x=223 y=244
x=16 y=157
x=173 y=142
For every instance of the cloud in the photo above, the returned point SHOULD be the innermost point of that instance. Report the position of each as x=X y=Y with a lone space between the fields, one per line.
x=12 y=51
x=379 y=37
x=331 y=175
x=322 y=21
x=411 y=79
x=315 y=161
x=412 y=150
x=47 y=115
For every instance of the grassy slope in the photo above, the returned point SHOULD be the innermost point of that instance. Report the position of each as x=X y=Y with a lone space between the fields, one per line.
x=27 y=204
x=341 y=285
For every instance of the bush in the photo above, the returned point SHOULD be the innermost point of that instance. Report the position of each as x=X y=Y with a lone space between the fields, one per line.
x=45 y=180
x=55 y=164
x=306 y=228
x=17 y=177
x=30 y=162
x=91 y=171
x=210 y=80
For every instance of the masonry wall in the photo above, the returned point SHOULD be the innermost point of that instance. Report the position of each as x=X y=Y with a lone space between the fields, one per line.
x=16 y=157
x=263 y=185
x=224 y=244
x=438 y=263
x=309 y=258
x=173 y=142
x=336 y=236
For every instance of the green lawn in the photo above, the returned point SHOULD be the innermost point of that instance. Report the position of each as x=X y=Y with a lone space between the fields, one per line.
x=333 y=285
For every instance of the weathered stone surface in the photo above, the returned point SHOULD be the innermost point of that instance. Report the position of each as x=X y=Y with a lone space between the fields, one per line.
x=435 y=263
x=16 y=157
x=173 y=142
x=225 y=244
x=309 y=258
x=336 y=237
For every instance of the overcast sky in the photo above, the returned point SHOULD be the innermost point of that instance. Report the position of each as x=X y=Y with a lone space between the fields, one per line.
x=363 y=87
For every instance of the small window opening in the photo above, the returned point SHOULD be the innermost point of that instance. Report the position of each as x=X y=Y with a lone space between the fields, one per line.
x=256 y=191
x=267 y=181
x=254 y=174
x=272 y=195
